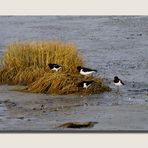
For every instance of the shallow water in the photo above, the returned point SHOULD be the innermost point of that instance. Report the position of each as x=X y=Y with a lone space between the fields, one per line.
x=112 y=45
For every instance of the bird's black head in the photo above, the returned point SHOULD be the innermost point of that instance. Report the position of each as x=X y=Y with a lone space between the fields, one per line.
x=79 y=68
x=116 y=78
x=50 y=65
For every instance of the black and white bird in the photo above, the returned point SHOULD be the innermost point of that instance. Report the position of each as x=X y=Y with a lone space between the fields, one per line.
x=85 y=84
x=86 y=71
x=54 y=67
x=118 y=82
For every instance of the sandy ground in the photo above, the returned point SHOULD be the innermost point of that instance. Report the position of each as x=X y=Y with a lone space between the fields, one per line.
x=41 y=112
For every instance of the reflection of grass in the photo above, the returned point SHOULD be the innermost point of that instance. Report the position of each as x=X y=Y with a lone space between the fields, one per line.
x=27 y=63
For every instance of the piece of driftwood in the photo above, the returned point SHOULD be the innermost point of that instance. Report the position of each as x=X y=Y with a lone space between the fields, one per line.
x=77 y=125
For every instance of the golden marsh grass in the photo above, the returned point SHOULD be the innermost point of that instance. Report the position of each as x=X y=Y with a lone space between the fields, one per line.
x=63 y=83
x=26 y=63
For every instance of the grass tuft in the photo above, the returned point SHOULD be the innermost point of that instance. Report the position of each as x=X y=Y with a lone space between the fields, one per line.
x=26 y=63
x=63 y=84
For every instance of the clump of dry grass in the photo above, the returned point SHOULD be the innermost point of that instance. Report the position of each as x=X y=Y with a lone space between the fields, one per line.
x=7 y=75
x=29 y=75
x=63 y=84
x=27 y=63
x=24 y=61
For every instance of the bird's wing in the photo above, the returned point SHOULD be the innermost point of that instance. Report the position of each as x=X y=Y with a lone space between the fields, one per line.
x=56 y=65
x=122 y=82
x=86 y=69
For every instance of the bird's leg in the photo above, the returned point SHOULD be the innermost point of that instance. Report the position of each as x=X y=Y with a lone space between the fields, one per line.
x=115 y=99
x=85 y=90
x=118 y=92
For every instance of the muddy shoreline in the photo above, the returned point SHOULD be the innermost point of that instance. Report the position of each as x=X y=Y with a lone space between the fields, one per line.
x=40 y=112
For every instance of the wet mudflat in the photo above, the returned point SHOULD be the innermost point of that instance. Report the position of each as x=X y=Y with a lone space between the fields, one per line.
x=112 y=45
x=41 y=112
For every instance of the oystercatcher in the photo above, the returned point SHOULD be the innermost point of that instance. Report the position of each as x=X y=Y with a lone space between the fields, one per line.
x=85 y=84
x=118 y=82
x=54 y=67
x=85 y=71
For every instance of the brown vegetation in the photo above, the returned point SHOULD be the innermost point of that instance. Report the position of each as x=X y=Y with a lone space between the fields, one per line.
x=26 y=63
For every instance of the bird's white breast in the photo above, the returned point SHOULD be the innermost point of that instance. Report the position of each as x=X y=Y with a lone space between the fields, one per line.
x=86 y=86
x=56 y=69
x=86 y=73
x=118 y=84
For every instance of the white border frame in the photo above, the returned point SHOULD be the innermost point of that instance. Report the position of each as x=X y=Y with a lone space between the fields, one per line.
x=73 y=7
